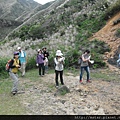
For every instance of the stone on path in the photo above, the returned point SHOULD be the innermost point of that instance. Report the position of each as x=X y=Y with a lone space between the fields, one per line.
x=62 y=90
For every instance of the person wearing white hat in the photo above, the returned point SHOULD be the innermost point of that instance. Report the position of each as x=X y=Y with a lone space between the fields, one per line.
x=23 y=59
x=59 y=61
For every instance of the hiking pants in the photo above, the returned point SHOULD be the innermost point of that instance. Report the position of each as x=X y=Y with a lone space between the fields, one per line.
x=86 y=68
x=41 y=67
x=46 y=67
x=22 y=68
x=61 y=77
x=14 y=77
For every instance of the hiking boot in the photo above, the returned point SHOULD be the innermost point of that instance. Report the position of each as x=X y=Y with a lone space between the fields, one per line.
x=80 y=81
x=89 y=81
x=14 y=92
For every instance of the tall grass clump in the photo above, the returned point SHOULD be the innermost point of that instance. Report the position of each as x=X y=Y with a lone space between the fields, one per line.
x=3 y=72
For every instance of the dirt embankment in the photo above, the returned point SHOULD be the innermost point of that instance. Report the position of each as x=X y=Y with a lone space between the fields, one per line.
x=107 y=34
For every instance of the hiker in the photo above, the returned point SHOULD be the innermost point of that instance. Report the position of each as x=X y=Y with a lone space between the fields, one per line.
x=85 y=65
x=40 y=62
x=14 y=66
x=46 y=55
x=59 y=61
x=23 y=60
x=118 y=61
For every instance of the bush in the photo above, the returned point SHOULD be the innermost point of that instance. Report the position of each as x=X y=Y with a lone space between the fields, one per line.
x=112 y=10
x=3 y=72
x=117 y=34
x=31 y=63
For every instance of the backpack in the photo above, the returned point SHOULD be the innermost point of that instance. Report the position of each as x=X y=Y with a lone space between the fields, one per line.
x=7 y=66
x=80 y=60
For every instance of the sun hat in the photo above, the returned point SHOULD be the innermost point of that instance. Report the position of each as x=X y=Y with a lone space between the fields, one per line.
x=38 y=50
x=16 y=53
x=18 y=48
x=59 y=53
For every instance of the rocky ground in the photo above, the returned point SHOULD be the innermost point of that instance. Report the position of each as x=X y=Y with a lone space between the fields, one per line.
x=97 y=98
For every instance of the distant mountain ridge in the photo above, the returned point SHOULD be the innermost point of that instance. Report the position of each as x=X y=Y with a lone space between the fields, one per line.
x=12 y=9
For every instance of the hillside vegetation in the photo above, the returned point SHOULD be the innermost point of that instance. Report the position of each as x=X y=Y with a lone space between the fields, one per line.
x=65 y=25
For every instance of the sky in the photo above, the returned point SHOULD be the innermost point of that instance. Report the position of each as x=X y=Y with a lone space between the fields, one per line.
x=43 y=1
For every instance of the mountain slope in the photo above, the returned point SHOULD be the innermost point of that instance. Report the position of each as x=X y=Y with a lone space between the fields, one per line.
x=107 y=34
x=26 y=15
x=12 y=9
x=65 y=25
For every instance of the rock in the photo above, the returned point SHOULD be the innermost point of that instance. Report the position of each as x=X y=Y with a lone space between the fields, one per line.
x=62 y=90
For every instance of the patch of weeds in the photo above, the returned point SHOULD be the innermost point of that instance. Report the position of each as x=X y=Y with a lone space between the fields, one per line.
x=104 y=76
x=51 y=87
x=117 y=34
x=63 y=92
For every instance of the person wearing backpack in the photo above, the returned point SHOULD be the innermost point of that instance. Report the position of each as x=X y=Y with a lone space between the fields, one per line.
x=23 y=59
x=85 y=65
x=40 y=62
x=14 y=66
x=59 y=61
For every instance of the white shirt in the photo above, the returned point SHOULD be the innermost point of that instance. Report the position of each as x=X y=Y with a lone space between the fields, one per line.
x=59 y=64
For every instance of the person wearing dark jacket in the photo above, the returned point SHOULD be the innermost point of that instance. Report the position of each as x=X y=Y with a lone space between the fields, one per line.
x=40 y=62
x=14 y=66
x=46 y=55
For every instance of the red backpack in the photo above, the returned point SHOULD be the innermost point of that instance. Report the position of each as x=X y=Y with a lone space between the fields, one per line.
x=7 y=66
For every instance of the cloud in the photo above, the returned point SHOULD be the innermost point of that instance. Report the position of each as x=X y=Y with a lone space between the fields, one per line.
x=43 y=1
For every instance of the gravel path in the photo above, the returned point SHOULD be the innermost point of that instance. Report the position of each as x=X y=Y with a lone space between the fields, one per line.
x=97 y=98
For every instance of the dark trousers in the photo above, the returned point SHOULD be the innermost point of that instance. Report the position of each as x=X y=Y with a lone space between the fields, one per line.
x=86 y=68
x=61 y=77
x=41 y=67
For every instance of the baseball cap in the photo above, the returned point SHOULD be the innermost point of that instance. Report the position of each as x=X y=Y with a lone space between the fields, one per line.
x=16 y=53
x=18 y=48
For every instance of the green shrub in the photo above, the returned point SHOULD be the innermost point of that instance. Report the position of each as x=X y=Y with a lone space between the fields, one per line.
x=31 y=63
x=117 y=34
x=112 y=10
x=3 y=72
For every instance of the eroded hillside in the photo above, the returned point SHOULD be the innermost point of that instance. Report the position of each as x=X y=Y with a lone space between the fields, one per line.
x=107 y=34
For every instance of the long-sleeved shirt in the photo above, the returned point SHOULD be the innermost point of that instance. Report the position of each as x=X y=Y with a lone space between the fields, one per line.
x=22 y=57
x=84 y=63
x=58 y=64
x=40 y=58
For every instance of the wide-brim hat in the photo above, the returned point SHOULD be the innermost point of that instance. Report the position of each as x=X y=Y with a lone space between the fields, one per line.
x=59 y=53
x=39 y=50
